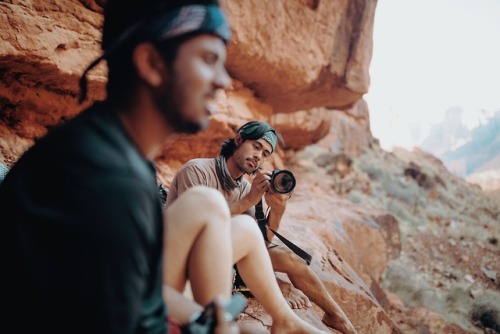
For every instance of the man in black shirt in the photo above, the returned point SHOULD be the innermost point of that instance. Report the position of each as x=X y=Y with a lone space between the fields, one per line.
x=82 y=225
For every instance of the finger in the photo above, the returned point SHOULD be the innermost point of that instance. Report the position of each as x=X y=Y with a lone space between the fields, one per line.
x=261 y=181
x=219 y=312
x=263 y=184
x=256 y=185
x=265 y=173
x=265 y=176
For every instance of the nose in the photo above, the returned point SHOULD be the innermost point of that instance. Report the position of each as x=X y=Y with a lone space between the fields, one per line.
x=222 y=78
x=257 y=155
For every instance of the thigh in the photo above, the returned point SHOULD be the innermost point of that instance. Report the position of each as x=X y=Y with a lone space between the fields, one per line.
x=245 y=236
x=184 y=220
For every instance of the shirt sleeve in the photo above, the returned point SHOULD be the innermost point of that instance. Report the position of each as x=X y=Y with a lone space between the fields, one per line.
x=188 y=176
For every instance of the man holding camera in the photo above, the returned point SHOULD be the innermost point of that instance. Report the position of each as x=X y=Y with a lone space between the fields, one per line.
x=254 y=144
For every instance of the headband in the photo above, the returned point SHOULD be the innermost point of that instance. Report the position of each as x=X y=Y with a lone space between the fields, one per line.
x=184 y=20
x=250 y=129
x=271 y=138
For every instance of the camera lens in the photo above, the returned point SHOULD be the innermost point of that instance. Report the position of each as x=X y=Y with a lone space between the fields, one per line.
x=283 y=181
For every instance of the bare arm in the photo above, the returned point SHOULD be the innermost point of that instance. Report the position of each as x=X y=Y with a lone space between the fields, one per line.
x=243 y=205
x=260 y=188
x=277 y=203
x=183 y=308
x=260 y=184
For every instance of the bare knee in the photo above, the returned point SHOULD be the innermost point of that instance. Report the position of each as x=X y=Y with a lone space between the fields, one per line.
x=199 y=205
x=245 y=227
x=288 y=261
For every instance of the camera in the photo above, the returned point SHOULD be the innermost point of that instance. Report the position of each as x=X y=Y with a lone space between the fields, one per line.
x=282 y=181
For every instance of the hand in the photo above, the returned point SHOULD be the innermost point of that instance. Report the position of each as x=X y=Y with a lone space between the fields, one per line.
x=212 y=319
x=276 y=201
x=260 y=185
x=222 y=325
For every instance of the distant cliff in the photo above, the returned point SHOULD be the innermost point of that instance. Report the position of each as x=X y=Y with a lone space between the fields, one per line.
x=471 y=153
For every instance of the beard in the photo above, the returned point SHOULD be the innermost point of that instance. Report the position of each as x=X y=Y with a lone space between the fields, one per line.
x=171 y=99
x=246 y=170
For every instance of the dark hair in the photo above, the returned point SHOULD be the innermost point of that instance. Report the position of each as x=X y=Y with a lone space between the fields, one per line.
x=259 y=129
x=119 y=17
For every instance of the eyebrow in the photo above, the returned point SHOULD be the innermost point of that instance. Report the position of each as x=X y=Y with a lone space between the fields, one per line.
x=262 y=147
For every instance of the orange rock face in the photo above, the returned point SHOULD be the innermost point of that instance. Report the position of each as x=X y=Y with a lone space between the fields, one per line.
x=302 y=54
x=285 y=56
x=45 y=47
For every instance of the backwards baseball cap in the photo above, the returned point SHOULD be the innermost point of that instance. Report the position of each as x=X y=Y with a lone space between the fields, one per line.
x=256 y=130
x=161 y=20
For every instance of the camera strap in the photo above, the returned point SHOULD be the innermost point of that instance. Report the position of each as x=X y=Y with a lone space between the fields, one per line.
x=262 y=221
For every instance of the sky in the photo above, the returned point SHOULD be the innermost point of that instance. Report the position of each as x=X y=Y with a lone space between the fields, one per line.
x=430 y=56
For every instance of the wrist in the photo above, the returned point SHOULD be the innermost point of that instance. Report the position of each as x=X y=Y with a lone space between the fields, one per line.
x=278 y=210
x=274 y=226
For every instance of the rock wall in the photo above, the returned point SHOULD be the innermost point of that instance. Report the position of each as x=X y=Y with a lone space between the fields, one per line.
x=286 y=56
x=302 y=54
x=45 y=46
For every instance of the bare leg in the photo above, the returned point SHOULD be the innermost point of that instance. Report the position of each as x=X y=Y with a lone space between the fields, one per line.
x=294 y=297
x=184 y=307
x=254 y=265
x=198 y=244
x=302 y=276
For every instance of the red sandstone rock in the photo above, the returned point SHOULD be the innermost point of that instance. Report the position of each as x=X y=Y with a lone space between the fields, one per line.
x=299 y=55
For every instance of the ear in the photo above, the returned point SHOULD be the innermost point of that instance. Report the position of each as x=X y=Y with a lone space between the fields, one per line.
x=149 y=63
x=238 y=140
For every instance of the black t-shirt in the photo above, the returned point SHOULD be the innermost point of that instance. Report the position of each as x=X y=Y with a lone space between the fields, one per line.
x=81 y=234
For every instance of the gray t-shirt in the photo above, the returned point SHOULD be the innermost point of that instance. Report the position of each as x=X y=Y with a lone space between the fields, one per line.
x=202 y=171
